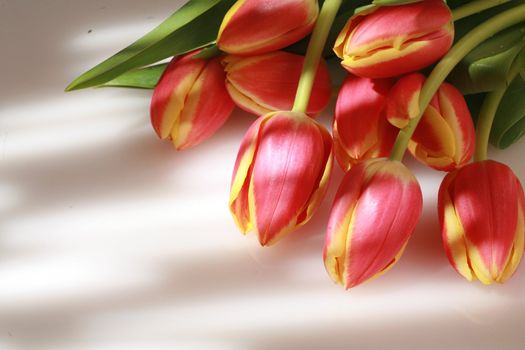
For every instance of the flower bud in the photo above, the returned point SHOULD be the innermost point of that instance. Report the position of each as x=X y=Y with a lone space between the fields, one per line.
x=444 y=138
x=190 y=102
x=266 y=83
x=375 y=211
x=281 y=174
x=392 y=40
x=481 y=211
x=253 y=27
x=360 y=128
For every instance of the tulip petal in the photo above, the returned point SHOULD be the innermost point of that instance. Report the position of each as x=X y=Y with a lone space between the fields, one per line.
x=455 y=112
x=391 y=40
x=403 y=100
x=170 y=94
x=239 y=200
x=433 y=142
x=375 y=210
x=322 y=184
x=453 y=233
x=360 y=129
x=267 y=83
x=382 y=224
x=258 y=26
x=206 y=108
x=489 y=229
x=341 y=217
x=519 y=240
x=288 y=162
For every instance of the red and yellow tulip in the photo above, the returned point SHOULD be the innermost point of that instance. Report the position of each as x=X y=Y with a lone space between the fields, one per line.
x=253 y=27
x=375 y=211
x=481 y=211
x=281 y=174
x=266 y=83
x=190 y=102
x=360 y=128
x=389 y=41
x=445 y=136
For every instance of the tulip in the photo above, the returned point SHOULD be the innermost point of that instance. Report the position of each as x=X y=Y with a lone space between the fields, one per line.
x=190 y=102
x=392 y=40
x=281 y=174
x=266 y=83
x=374 y=213
x=360 y=128
x=445 y=136
x=253 y=27
x=481 y=212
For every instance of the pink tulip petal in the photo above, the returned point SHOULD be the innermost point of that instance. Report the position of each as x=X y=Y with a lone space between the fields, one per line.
x=206 y=109
x=242 y=173
x=259 y=26
x=264 y=83
x=288 y=161
x=170 y=94
x=334 y=255
x=358 y=112
x=392 y=40
x=382 y=223
x=485 y=200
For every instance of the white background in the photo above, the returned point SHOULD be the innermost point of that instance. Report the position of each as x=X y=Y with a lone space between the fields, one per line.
x=109 y=239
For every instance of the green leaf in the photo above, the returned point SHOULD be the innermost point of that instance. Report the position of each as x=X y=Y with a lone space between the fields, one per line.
x=193 y=26
x=509 y=123
x=207 y=53
x=465 y=25
x=486 y=68
x=140 y=78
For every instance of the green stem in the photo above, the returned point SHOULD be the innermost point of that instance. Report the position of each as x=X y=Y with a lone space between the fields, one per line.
x=313 y=54
x=485 y=119
x=444 y=67
x=488 y=113
x=474 y=7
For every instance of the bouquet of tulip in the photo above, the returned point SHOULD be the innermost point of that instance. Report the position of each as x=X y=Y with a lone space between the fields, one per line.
x=271 y=58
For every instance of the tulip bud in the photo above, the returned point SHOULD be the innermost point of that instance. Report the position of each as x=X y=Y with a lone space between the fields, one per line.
x=481 y=211
x=375 y=211
x=190 y=102
x=253 y=27
x=266 y=83
x=360 y=128
x=281 y=174
x=393 y=40
x=444 y=138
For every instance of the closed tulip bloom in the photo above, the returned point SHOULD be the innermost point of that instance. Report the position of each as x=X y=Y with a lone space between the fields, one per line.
x=445 y=137
x=258 y=26
x=375 y=211
x=190 y=102
x=281 y=174
x=481 y=211
x=360 y=128
x=393 y=40
x=266 y=83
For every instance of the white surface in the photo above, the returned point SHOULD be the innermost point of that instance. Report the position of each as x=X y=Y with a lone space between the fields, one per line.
x=109 y=239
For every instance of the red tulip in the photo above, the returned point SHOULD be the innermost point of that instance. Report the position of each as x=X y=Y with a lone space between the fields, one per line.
x=374 y=213
x=281 y=174
x=360 y=128
x=266 y=83
x=444 y=138
x=258 y=26
x=393 y=40
x=481 y=211
x=190 y=102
